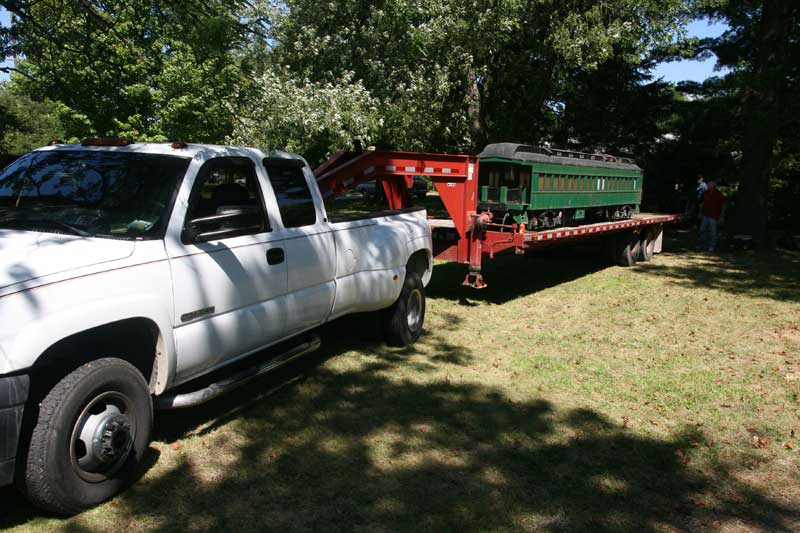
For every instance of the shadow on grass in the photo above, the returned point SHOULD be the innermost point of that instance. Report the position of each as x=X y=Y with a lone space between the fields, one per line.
x=767 y=274
x=314 y=448
x=514 y=276
x=774 y=274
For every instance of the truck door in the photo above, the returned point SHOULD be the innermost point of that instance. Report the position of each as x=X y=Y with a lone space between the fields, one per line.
x=229 y=269
x=310 y=250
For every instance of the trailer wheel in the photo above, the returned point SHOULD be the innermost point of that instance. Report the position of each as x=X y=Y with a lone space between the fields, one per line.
x=403 y=320
x=647 y=245
x=92 y=431
x=624 y=249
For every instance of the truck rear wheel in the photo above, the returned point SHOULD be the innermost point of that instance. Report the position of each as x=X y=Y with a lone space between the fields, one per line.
x=403 y=320
x=93 y=429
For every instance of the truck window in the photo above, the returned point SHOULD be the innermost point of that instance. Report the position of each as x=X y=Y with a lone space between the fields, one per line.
x=292 y=192
x=225 y=185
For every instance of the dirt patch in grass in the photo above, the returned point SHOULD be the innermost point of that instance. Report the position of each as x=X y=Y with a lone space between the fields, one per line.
x=568 y=395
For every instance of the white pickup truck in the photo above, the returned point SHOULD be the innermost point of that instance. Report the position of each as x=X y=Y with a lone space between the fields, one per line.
x=127 y=271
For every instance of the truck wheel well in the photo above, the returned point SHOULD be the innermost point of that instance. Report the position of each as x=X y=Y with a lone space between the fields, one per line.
x=418 y=262
x=133 y=340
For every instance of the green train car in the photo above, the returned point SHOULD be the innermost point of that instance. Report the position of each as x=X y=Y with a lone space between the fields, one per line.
x=547 y=188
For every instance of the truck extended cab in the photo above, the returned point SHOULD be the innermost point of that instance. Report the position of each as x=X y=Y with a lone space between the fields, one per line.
x=127 y=271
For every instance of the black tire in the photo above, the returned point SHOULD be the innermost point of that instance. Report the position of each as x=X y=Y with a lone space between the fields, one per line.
x=403 y=320
x=60 y=474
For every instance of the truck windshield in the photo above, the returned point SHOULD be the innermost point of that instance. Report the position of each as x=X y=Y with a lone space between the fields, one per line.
x=90 y=193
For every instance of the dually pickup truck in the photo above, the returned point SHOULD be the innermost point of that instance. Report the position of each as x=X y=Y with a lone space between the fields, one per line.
x=131 y=271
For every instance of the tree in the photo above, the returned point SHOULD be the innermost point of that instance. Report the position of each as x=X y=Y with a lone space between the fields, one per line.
x=763 y=49
x=451 y=74
x=139 y=68
x=314 y=119
x=26 y=124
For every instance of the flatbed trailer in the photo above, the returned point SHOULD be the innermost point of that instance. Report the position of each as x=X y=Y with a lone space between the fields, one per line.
x=469 y=235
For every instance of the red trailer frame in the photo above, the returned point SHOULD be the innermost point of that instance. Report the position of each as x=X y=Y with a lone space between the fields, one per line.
x=468 y=235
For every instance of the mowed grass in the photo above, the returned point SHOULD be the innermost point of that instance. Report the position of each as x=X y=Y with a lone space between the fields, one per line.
x=568 y=395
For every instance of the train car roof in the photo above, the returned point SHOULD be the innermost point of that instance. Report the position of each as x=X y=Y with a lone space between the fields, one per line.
x=555 y=156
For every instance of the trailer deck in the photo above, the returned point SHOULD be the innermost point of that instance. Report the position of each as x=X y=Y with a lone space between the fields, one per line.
x=469 y=235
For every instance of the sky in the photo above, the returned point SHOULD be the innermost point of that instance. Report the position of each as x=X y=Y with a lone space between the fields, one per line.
x=690 y=70
x=4 y=21
x=673 y=72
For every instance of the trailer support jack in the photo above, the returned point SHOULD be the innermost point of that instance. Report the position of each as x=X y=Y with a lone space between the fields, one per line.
x=474 y=280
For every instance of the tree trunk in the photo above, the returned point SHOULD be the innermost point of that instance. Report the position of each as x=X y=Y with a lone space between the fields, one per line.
x=761 y=114
x=476 y=112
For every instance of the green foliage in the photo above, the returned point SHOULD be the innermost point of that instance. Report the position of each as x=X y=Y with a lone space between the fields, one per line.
x=142 y=69
x=451 y=74
x=26 y=124
x=743 y=128
x=314 y=119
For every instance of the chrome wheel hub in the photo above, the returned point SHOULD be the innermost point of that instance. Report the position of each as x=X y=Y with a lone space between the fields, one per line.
x=102 y=437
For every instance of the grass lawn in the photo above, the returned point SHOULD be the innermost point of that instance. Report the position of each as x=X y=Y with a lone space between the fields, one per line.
x=566 y=396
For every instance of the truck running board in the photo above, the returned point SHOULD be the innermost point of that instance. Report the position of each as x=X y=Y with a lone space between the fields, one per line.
x=178 y=400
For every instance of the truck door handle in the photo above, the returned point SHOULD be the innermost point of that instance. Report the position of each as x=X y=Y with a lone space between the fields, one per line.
x=275 y=256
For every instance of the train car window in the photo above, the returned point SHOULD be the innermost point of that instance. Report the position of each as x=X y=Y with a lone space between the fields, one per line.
x=524 y=177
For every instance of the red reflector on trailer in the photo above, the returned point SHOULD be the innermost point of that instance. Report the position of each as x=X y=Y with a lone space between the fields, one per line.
x=105 y=141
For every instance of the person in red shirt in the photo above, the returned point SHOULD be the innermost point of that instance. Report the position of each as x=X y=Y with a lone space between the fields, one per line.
x=711 y=211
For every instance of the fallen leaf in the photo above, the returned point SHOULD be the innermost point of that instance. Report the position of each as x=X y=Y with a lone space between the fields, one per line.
x=760 y=442
x=789 y=445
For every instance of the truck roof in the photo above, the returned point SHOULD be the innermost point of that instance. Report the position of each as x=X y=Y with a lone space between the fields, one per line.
x=189 y=150
x=555 y=156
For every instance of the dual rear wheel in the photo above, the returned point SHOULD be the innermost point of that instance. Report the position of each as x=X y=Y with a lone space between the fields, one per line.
x=402 y=321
